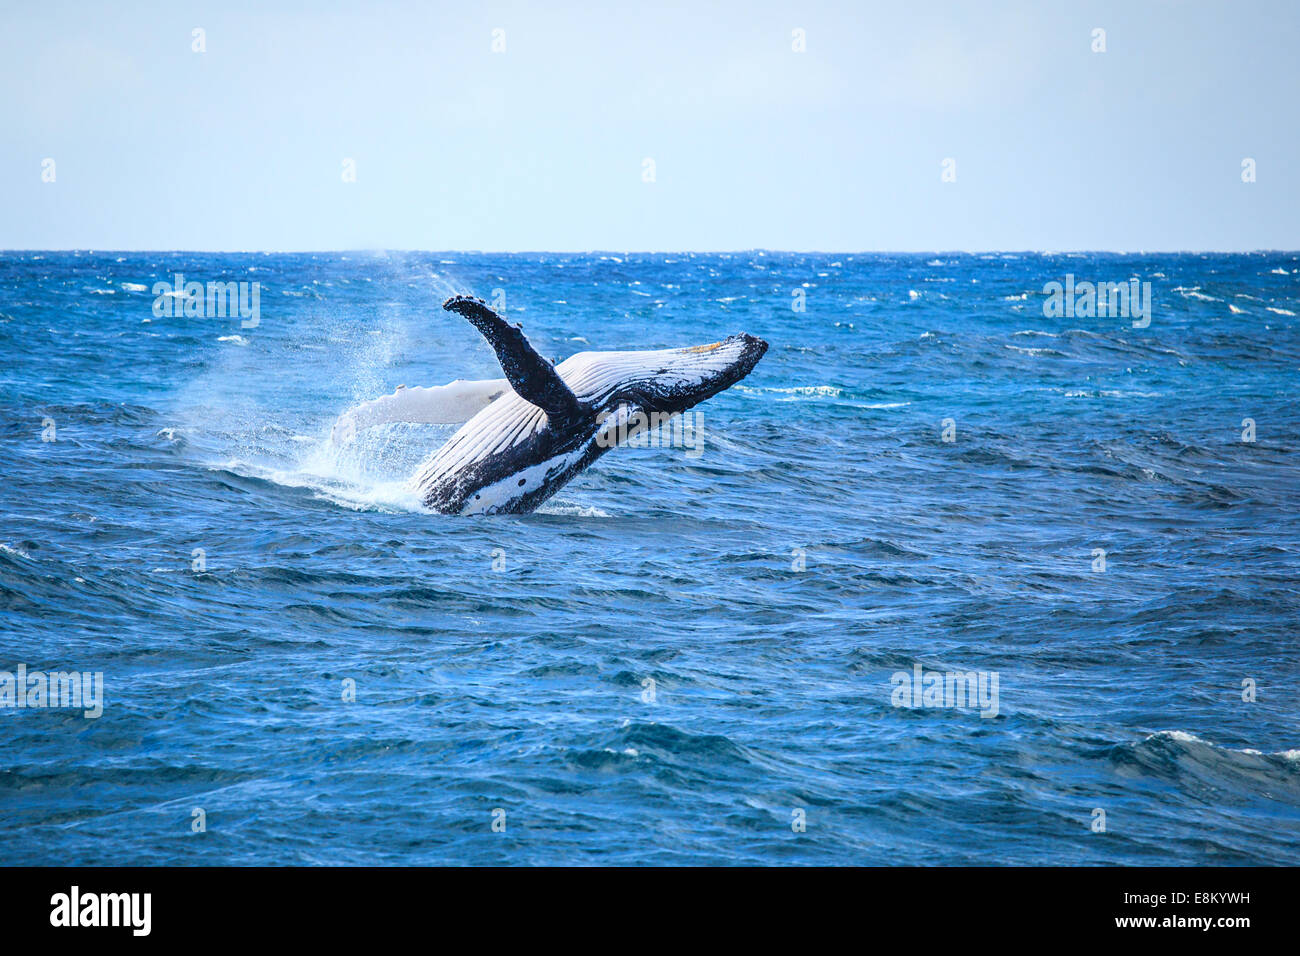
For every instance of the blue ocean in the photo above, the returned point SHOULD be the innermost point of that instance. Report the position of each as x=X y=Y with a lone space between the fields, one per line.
x=742 y=656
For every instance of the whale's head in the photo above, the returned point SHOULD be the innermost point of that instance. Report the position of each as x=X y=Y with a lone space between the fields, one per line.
x=664 y=381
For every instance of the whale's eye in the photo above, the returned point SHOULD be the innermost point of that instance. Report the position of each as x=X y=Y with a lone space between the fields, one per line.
x=476 y=497
x=521 y=482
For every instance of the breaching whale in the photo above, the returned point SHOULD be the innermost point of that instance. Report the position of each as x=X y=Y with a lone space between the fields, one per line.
x=525 y=436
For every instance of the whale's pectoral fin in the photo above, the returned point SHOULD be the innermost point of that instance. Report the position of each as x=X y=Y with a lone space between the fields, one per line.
x=449 y=404
x=530 y=375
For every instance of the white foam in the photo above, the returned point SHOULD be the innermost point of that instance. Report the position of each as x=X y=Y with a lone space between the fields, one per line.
x=1179 y=735
x=574 y=511
x=1183 y=737
x=391 y=496
x=1195 y=293
x=821 y=391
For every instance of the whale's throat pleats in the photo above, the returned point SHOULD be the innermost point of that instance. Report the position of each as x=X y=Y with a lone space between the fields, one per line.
x=662 y=380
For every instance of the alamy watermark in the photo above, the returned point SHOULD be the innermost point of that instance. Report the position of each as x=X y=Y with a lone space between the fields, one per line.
x=216 y=300
x=639 y=429
x=76 y=690
x=75 y=908
x=922 y=688
x=1124 y=300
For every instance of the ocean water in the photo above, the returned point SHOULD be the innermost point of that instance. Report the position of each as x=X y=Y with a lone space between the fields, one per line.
x=678 y=659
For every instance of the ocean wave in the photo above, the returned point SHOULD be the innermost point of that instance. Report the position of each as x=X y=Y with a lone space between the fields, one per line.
x=1032 y=351
x=1185 y=757
x=1183 y=737
x=1195 y=293
x=553 y=507
x=818 y=391
x=1108 y=393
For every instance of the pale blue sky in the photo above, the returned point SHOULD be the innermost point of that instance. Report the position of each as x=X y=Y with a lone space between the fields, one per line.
x=542 y=147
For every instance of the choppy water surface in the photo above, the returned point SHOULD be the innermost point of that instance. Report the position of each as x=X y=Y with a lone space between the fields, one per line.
x=827 y=538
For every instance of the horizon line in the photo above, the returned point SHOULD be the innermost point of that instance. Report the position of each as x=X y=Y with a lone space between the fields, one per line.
x=661 y=252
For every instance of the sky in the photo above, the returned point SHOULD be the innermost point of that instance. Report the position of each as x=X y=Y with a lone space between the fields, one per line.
x=650 y=126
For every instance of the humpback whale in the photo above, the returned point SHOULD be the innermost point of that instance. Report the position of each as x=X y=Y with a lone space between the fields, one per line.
x=528 y=434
